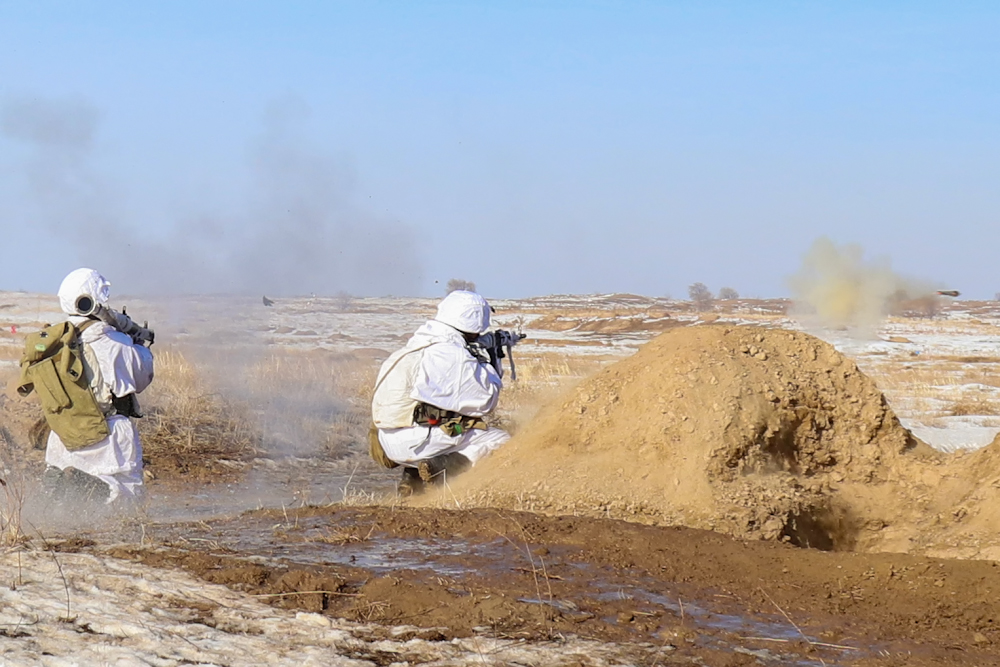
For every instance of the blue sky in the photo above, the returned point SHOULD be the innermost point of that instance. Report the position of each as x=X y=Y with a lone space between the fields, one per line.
x=532 y=147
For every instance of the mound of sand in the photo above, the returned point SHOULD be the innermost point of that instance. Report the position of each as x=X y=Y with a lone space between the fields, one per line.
x=754 y=432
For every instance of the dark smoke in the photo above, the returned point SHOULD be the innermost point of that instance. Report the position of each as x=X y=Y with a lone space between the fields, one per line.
x=66 y=126
x=298 y=232
x=459 y=284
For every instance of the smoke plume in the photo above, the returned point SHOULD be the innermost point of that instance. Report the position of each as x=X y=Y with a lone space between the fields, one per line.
x=298 y=231
x=840 y=287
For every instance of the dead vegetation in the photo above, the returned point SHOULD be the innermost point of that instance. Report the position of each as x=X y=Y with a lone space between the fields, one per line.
x=11 y=507
x=187 y=428
x=340 y=536
x=974 y=406
x=312 y=402
x=932 y=387
x=225 y=410
x=210 y=418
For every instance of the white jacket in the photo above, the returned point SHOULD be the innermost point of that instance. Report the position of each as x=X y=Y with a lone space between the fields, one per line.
x=122 y=368
x=434 y=367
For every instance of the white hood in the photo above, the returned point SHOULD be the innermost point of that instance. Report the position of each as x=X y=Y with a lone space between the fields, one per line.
x=466 y=311
x=83 y=282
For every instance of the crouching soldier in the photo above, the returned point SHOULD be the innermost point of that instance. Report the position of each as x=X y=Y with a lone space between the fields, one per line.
x=431 y=398
x=87 y=373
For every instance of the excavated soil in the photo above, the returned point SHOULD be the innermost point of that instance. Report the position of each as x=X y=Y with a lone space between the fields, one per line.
x=703 y=597
x=757 y=433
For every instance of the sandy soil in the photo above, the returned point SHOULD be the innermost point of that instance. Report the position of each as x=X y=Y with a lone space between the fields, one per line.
x=758 y=433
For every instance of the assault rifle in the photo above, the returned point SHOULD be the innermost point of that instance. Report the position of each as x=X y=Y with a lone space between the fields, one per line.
x=496 y=345
x=140 y=335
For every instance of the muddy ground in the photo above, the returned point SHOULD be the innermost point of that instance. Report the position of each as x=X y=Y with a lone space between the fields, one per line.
x=674 y=595
x=705 y=597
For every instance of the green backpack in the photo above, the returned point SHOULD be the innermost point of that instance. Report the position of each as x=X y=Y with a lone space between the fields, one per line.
x=52 y=365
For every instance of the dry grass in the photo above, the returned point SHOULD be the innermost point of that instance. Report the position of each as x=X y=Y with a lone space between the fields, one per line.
x=360 y=498
x=322 y=372
x=963 y=359
x=974 y=406
x=288 y=402
x=315 y=402
x=186 y=421
x=932 y=387
x=372 y=611
x=11 y=507
x=342 y=536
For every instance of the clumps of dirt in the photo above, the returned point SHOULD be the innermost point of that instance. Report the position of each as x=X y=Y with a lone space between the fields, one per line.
x=296 y=588
x=429 y=599
x=959 y=518
x=534 y=577
x=758 y=433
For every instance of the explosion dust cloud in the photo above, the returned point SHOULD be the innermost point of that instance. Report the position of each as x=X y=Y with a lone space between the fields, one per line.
x=842 y=288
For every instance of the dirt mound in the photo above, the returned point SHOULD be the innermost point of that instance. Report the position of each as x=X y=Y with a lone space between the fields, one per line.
x=754 y=432
x=958 y=516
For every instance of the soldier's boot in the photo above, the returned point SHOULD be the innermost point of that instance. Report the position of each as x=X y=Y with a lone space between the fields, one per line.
x=52 y=484
x=410 y=484
x=84 y=486
x=439 y=469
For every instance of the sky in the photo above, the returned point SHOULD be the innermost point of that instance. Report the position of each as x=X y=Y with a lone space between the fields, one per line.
x=540 y=147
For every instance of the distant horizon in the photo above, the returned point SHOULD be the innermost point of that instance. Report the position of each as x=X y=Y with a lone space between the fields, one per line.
x=432 y=297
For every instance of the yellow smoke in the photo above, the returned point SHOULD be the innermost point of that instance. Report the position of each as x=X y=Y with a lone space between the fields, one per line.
x=843 y=289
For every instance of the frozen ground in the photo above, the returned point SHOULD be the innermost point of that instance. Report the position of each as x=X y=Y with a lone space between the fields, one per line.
x=941 y=376
x=71 y=609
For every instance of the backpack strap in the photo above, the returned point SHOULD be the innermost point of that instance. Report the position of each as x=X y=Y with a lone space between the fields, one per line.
x=83 y=326
x=396 y=363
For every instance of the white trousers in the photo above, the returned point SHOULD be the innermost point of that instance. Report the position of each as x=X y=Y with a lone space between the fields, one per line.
x=415 y=443
x=116 y=460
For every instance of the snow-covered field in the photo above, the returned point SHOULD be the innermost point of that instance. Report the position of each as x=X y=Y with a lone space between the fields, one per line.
x=70 y=610
x=936 y=372
x=941 y=376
